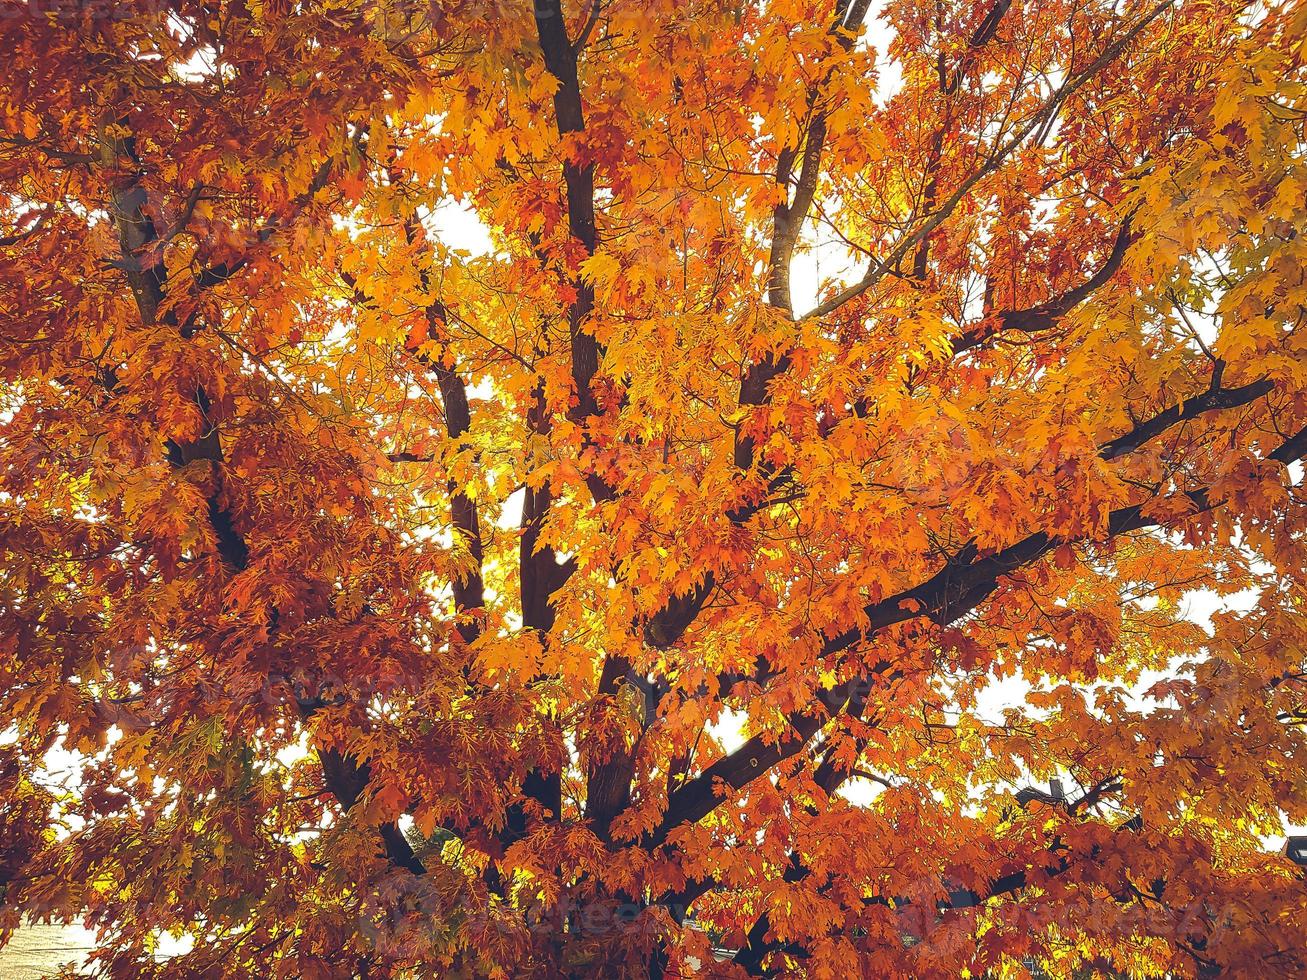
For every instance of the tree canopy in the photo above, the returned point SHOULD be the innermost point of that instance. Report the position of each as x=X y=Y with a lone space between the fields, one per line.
x=820 y=445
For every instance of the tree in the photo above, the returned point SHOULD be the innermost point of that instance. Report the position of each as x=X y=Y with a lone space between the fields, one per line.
x=565 y=606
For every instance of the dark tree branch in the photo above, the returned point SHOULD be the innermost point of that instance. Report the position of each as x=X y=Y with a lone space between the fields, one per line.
x=988 y=27
x=879 y=268
x=753 y=953
x=788 y=218
x=560 y=59
x=948 y=86
x=952 y=592
x=1046 y=315
x=1210 y=401
x=469 y=589
x=220 y=272
x=665 y=627
x=608 y=783
x=347 y=778
x=36 y=226
x=539 y=576
x=138 y=236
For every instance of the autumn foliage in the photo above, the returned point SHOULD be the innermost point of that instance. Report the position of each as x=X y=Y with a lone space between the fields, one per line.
x=494 y=490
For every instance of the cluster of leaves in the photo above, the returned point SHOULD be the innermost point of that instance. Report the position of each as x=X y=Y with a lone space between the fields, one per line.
x=612 y=595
